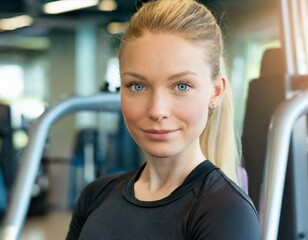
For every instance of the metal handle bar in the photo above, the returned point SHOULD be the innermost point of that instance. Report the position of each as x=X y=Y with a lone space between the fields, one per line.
x=30 y=161
x=278 y=143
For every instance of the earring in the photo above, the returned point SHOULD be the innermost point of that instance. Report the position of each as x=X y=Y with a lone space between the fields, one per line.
x=213 y=104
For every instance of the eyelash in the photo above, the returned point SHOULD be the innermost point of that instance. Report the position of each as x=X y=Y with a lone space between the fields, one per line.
x=131 y=84
x=183 y=83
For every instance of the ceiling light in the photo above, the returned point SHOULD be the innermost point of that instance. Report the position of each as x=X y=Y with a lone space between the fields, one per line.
x=67 y=5
x=15 y=22
x=107 y=5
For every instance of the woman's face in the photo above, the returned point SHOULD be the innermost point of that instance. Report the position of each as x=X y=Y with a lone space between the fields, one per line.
x=166 y=91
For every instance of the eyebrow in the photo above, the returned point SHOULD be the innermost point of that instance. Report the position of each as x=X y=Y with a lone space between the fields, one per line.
x=174 y=76
x=136 y=75
x=181 y=74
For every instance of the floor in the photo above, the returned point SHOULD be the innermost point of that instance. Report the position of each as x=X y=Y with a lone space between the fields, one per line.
x=53 y=225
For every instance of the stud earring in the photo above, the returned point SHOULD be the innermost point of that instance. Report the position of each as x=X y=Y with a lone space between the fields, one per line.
x=213 y=104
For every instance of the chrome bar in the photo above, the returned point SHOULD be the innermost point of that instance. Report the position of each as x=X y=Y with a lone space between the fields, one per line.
x=278 y=143
x=287 y=40
x=31 y=158
x=304 y=23
x=296 y=34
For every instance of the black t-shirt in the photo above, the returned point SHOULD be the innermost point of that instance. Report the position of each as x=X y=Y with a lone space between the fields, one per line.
x=206 y=206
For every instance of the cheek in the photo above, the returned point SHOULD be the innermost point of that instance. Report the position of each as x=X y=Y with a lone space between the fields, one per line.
x=126 y=111
x=130 y=111
x=197 y=113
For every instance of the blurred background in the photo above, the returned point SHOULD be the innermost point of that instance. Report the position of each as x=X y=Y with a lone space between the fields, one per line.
x=50 y=50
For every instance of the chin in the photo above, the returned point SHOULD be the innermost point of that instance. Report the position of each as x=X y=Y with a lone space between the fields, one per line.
x=161 y=154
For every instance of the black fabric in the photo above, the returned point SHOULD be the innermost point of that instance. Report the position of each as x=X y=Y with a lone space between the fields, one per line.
x=206 y=206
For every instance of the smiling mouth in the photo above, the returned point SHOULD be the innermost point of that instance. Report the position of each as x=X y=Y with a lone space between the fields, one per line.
x=154 y=131
x=160 y=134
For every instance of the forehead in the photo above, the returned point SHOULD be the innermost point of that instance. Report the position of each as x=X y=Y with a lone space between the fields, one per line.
x=161 y=38
x=163 y=47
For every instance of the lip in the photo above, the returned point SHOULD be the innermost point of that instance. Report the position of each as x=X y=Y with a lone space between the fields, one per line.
x=161 y=131
x=159 y=134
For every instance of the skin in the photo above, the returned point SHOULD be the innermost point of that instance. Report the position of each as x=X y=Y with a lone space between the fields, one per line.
x=166 y=90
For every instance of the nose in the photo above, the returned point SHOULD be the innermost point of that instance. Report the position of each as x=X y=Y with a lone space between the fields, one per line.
x=158 y=108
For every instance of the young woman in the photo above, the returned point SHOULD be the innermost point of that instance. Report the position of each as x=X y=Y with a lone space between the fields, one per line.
x=177 y=106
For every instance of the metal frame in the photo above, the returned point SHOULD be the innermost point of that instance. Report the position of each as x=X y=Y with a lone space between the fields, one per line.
x=303 y=6
x=287 y=40
x=31 y=157
x=279 y=137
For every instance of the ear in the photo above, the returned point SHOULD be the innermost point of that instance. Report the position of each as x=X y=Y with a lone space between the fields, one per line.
x=218 y=91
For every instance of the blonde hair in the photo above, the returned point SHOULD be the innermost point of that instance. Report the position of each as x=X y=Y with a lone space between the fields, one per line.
x=219 y=140
x=193 y=21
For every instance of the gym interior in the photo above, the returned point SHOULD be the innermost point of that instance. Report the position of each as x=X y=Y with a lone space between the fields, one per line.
x=60 y=119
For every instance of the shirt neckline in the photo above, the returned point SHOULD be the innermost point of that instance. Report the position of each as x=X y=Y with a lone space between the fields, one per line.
x=193 y=177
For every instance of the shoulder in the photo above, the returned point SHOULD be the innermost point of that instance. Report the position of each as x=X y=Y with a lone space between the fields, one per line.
x=95 y=192
x=224 y=205
x=98 y=187
x=224 y=190
x=90 y=199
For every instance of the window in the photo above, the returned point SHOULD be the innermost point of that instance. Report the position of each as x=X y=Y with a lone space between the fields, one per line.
x=11 y=81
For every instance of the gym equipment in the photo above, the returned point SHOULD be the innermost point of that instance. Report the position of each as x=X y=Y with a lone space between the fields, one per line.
x=15 y=216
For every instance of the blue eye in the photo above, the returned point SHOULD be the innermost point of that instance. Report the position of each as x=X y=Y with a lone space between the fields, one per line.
x=182 y=87
x=137 y=87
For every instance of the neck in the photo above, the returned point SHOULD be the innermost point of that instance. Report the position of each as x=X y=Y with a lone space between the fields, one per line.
x=161 y=176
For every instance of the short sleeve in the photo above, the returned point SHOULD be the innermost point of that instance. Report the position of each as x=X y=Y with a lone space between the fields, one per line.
x=78 y=217
x=225 y=212
x=89 y=200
